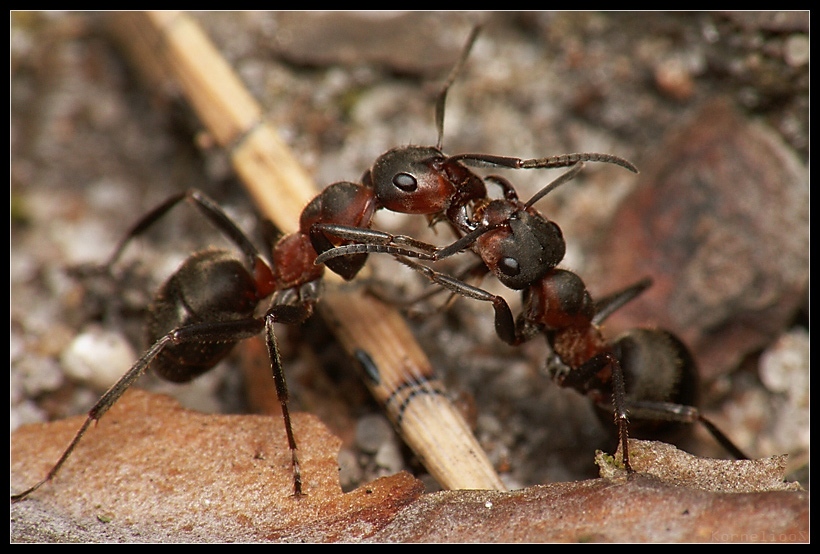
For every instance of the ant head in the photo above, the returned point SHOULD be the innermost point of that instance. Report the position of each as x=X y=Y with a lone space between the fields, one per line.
x=406 y=180
x=410 y=179
x=521 y=245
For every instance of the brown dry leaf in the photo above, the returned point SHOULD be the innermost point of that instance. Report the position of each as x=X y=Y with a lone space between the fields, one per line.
x=676 y=497
x=152 y=471
x=644 y=509
x=679 y=468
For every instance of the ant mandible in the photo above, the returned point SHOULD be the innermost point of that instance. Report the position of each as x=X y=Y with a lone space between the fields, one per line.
x=522 y=248
x=208 y=305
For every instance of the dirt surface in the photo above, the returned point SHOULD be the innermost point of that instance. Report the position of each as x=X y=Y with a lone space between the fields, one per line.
x=91 y=150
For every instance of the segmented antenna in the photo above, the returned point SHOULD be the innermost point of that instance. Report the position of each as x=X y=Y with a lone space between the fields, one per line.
x=442 y=96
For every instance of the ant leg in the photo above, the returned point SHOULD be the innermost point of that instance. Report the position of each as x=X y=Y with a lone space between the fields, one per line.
x=143 y=224
x=207 y=207
x=663 y=377
x=721 y=437
x=289 y=314
x=579 y=376
x=364 y=237
x=505 y=325
x=475 y=271
x=669 y=411
x=224 y=331
x=604 y=307
x=231 y=330
x=103 y=404
x=371 y=241
x=284 y=397
x=505 y=185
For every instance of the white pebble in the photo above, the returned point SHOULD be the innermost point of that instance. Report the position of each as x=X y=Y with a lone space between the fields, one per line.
x=98 y=357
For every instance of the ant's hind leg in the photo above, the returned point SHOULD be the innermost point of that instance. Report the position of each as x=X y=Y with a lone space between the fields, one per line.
x=668 y=411
x=102 y=406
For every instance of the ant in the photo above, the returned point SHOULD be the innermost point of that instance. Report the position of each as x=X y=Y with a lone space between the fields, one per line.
x=210 y=303
x=522 y=248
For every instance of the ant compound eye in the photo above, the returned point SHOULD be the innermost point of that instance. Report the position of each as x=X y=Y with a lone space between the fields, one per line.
x=405 y=182
x=509 y=266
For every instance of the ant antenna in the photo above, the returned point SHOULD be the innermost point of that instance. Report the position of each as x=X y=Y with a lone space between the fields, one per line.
x=442 y=97
x=568 y=176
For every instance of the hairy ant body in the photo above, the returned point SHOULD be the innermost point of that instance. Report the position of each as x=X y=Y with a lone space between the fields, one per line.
x=209 y=304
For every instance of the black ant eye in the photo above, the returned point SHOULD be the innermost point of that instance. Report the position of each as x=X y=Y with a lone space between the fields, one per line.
x=405 y=182
x=509 y=266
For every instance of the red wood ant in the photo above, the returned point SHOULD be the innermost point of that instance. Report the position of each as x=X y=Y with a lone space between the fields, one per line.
x=209 y=304
x=646 y=373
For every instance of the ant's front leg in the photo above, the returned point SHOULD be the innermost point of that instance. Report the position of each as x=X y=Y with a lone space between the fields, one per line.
x=364 y=241
x=474 y=272
x=505 y=325
x=371 y=241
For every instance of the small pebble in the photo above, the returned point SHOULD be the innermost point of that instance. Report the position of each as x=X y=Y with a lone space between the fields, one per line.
x=372 y=432
x=798 y=50
x=389 y=457
x=98 y=357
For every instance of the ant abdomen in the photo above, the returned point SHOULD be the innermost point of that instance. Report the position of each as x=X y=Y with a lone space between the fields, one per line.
x=661 y=381
x=657 y=366
x=210 y=286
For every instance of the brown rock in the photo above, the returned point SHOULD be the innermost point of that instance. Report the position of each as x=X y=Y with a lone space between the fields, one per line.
x=720 y=221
